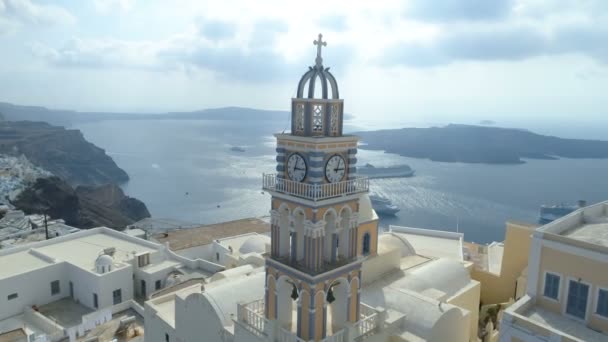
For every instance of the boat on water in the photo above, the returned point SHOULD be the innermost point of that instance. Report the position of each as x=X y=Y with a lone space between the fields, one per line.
x=370 y=171
x=383 y=206
x=549 y=213
x=237 y=149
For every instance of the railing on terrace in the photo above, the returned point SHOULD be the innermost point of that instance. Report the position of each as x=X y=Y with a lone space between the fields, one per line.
x=368 y=322
x=336 y=337
x=315 y=192
x=252 y=315
x=287 y=336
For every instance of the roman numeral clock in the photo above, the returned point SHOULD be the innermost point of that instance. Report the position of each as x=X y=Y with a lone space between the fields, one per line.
x=313 y=272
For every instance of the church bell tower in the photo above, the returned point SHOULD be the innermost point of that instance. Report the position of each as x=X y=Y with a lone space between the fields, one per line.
x=313 y=273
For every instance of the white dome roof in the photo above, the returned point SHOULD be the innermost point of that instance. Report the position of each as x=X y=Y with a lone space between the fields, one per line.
x=366 y=213
x=104 y=260
x=255 y=244
x=390 y=241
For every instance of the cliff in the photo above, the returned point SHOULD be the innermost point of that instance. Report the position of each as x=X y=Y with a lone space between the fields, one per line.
x=63 y=152
x=477 y=144
x=83 y=207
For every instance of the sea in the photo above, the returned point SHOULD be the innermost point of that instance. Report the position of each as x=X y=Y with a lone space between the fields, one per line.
x=185 y=170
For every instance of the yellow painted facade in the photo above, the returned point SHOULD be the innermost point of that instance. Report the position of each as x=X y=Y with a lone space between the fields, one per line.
x=577 y=268
x=499 y=288
x=371 y=228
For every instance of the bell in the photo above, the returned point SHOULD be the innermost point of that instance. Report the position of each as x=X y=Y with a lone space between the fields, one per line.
x=330 y=296
x=294 y=293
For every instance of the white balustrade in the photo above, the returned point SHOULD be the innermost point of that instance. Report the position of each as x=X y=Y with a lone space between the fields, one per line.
x=252 y=315
x=315 y=192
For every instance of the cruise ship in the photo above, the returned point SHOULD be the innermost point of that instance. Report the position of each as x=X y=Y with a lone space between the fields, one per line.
x=549 y=213
x=371 y=171
x=383 y=206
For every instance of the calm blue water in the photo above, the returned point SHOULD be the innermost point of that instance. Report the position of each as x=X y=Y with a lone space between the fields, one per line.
x=185 y=170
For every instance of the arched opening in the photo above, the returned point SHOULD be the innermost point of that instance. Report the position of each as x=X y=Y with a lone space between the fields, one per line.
x=344 y=239
x=299 y=218
x=331 y=236
x=286 y=304
x=366 y=243
x=284 y=235
x=337 y=300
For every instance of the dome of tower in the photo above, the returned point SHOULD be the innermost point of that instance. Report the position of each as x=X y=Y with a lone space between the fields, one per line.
x=366 y=212
x=318 y=76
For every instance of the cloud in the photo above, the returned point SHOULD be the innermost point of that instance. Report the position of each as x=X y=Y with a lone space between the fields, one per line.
x=337 y=23
x=522 y=35
x=25 y=12
x=458 y=9
x=113 y=6
x=217 y=30
x=257 y=60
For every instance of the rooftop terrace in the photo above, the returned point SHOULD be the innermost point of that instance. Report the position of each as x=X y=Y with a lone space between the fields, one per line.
x=589 y=224
x=204 y=235
x=80 y=249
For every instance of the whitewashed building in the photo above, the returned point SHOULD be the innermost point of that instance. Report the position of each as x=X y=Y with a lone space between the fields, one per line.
x=88 y=272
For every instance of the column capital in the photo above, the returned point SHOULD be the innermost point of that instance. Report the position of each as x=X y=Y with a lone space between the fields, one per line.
x=314 y=230
x=274 y=216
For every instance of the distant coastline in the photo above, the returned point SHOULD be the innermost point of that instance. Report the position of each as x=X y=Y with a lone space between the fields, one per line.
x=479 y=144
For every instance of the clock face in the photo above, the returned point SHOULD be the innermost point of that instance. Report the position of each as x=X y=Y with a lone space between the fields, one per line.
x=296 y=167
x=335 y=169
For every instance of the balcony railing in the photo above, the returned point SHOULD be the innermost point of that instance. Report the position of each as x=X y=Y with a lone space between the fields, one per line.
x=315 y=192
x=368 y=323
x=252 y=315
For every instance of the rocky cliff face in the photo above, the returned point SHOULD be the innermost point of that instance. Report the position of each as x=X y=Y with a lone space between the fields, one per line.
x=63 y=152
x=83 y=207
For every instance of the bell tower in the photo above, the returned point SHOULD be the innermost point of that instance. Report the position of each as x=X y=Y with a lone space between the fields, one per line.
x=313 y=272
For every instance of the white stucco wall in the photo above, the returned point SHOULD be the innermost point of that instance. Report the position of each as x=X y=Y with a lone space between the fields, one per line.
x=32 y=288
x=196 y=317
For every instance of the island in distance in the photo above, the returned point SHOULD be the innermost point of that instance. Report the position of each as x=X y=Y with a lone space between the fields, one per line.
x=479 y=144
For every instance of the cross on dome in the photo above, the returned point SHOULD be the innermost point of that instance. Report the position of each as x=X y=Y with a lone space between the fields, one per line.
x=319 y=43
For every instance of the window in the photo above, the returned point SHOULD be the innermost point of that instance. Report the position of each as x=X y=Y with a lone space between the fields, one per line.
x=95 y=302
x=217 y=256
x=117 y=297
x=366 y=244
x=55 y=287
x=602 y=303
x=157 y=285
x=166 y=337
x=551 y=286
x=143 y=288
x=577 y=299
x=317 y=118
x=299 y=118
x=12 y=296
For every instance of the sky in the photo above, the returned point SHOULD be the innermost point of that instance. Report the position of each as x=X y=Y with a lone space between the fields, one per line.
x=509 y=61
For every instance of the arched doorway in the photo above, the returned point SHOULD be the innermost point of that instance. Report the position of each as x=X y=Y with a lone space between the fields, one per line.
x=299 y=217
x=331 y=236
x=344 y=235
x=284 y=234
x=286 y=304
x=337 y=305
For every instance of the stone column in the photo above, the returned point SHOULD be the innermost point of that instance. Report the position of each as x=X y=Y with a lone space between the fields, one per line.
x=314 y=233
x=274 y=233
